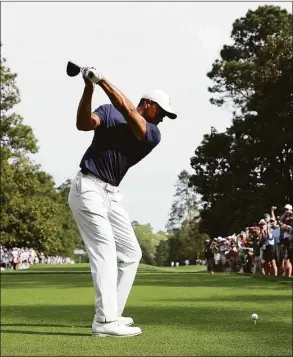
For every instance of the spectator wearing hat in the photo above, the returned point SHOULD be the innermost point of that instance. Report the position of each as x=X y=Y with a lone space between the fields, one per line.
x=276 y=233
x=287 y=215
x=269 y=254
x=286 y=224
x=267 y=218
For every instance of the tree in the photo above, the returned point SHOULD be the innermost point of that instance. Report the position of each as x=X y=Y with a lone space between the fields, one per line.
x=242 y=172
x=173 y=243
x=184 y=206
x=68 y=235
x=16 y=140
x=144 y=234
x=185 y=241
x=162 y=253
x=33 y=212
x=15 y=137
x=242 y=65
x=191 y=241
x=29 y=209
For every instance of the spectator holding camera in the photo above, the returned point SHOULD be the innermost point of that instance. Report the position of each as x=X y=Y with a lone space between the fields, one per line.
x=286 y=254
x=276 y=234
x=287 y=216
x=269 y=249
x=263 y=249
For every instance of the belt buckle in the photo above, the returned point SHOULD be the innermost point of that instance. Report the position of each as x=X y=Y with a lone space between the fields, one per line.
x=109 y=188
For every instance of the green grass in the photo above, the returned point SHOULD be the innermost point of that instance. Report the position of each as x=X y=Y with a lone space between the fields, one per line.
x=48 y=311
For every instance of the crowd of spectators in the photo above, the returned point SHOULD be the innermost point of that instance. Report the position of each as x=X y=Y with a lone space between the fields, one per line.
x=266 y=248
x=22 y=258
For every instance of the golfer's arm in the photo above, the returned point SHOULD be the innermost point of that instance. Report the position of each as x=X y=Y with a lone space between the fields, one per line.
x=85 y=119
x=136 y=122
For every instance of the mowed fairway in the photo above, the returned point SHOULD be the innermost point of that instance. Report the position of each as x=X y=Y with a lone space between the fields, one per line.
x=47 y=311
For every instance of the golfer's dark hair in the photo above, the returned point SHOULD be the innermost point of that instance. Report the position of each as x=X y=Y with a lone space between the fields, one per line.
x=141 y=102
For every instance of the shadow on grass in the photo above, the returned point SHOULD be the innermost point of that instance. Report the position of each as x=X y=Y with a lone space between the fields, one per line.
x=188 y=279
x=36 y=281
x=69 y=316
x=43 y=325
x=234 y=298
x=45 y=333
x=205 y=319
x=206 y=280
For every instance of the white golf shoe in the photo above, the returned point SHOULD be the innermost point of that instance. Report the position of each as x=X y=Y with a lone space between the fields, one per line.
x=127 y=321
x=114 y=329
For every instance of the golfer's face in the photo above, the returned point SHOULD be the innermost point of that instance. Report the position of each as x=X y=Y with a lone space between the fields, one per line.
x=154 y=113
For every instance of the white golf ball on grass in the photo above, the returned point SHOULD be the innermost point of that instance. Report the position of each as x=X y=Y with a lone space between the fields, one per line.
x=254 y=317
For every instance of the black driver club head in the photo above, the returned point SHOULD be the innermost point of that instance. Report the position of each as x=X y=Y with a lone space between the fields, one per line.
x=72 y=69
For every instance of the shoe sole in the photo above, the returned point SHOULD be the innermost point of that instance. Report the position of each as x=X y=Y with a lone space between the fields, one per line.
x=94 y=334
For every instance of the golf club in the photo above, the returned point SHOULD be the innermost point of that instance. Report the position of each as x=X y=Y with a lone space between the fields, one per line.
x=72 y=69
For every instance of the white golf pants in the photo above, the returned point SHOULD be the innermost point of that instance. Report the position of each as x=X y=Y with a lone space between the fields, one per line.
x=112 y=247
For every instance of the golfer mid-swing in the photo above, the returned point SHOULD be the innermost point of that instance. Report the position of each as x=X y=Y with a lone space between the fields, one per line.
x=123 y=135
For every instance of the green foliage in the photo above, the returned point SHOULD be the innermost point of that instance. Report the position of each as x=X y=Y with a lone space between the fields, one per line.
x=241 y=66
x=33 y=212
x=15 y=137
x=191 y=241
x=148 y=241
x=68 y=234
x=184 y=206
x=185 y=241
x=242 y=172
x=162 y=253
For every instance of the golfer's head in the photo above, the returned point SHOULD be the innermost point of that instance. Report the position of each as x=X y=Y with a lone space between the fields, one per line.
x=155 y=105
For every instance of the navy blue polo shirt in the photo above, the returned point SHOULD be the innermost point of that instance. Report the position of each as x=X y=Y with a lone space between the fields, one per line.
x=114 y=148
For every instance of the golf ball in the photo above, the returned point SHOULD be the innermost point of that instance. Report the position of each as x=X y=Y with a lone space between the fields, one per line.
x=254 y=316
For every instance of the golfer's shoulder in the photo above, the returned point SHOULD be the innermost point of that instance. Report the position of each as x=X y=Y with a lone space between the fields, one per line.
x=103 y=109
x=107 y=114
x=153 y=134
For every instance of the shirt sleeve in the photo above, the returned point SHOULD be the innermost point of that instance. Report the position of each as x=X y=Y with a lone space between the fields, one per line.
x=102 y=114
x=153 y=135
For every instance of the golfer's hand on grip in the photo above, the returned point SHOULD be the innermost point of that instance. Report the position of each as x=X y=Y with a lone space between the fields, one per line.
x=92 y=74
x=88 y=83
